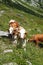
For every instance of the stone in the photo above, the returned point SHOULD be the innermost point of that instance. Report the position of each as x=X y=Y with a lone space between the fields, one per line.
x=8 y=50
x=29 y=62
x=2 y=33
x=11 y=63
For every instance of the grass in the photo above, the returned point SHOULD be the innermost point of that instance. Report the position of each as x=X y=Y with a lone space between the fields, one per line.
x=33 y=54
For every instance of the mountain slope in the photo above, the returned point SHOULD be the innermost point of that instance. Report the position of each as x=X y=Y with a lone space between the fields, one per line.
x=33 y=25
x=26 y=7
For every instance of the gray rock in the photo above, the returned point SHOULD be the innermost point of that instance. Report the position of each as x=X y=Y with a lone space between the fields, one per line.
x=8 y=50
x=1 y=12
x=2 y=33
x=29 y=62
x=11 y=63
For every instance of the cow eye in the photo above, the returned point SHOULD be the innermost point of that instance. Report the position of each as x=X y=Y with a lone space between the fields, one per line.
x=25 y=33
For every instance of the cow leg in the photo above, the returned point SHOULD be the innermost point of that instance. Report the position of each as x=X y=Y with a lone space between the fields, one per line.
x=24 y=44
x=15 y=40
x=37 y=42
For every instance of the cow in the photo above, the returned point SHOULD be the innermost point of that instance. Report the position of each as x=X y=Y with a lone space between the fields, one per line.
x=13 y=27
x=16 y=31
x=36 y=38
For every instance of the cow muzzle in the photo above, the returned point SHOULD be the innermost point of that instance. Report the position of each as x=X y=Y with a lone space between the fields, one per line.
x=10 y=30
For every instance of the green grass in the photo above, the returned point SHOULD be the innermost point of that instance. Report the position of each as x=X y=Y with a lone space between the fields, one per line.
x=33 y=54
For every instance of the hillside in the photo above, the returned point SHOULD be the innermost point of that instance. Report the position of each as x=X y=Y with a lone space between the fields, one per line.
x=28 y=7
x=34 y=7
x=33 y=24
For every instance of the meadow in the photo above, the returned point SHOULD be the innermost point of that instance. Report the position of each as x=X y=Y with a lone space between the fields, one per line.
x=33 y=24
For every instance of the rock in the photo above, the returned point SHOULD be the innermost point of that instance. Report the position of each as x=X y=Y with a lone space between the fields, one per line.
x=32 y=20
x=19 y=15
x=23 y=0
x=13 y=1
x=8 y=50
x=0 y=15
x=29 y=63
x=3 y=45
x=11 y=63
x=1 y=12
x=2 y=33
x=39 y=30
x=30 y=29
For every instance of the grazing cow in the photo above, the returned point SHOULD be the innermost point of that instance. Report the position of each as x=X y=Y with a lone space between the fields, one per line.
x=37 y=38
x=22 y=35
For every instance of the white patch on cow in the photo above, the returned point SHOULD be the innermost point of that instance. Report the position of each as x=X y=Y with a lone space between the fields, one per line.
x=10 y=30
x=24 y=44
x=22 y=32
x=15 y=39
x=15 y=36
x=14 y=42
x=11 y=21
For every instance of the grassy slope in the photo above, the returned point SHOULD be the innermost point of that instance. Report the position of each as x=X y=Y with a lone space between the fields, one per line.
x=28 y=21
x=37 y=11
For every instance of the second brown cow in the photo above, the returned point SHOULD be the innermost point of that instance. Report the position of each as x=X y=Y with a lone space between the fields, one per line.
x=36 y=38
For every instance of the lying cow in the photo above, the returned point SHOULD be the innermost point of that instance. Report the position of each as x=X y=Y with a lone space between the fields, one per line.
x=36 y=38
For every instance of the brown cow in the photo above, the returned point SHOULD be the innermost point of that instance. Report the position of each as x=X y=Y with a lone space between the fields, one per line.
x=36 y=38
